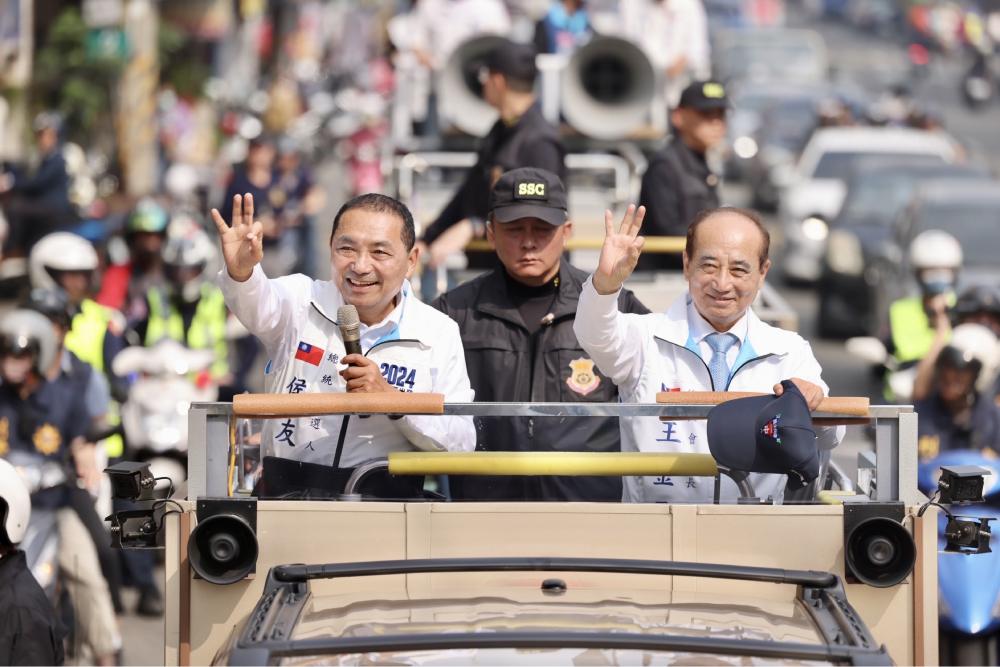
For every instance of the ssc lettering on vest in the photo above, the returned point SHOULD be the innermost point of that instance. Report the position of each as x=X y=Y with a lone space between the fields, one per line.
x=399 y=376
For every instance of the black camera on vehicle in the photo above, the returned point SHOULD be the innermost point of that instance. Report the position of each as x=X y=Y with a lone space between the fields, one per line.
x=968 y=535
x=961 y=485
x=131 y=481
x=137 y=529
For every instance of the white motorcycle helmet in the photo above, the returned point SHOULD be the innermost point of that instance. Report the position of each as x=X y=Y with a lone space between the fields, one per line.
x=936 y=257
x=186 y=255
x=973 y=347
x=935 y=249
x=61 y=251
x=29 y=331
x=15 y=505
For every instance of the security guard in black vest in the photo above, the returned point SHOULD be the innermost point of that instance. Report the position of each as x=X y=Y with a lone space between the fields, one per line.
x=678 y=185
x=516 y=324
x=521 y=138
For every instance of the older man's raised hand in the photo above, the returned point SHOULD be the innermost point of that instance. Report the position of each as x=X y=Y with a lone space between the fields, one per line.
x=621 y=251
x=242 y=243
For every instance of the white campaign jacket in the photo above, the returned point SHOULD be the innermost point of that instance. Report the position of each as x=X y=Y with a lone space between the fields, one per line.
x=647 y=354
x=295 y=319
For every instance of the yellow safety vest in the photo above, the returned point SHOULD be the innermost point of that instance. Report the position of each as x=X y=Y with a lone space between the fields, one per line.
x=86 y=336
x=208 y=327
x=86 y=340
x=912 y=333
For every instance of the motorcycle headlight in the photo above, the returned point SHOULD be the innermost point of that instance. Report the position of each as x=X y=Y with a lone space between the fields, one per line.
x=165 y=436
x=815 y=229
x=745 y=147
x=161 y=433
x=843 y=253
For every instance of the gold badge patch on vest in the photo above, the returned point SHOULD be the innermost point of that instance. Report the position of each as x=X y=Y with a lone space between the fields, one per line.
x=582 y=378
x=928 y=446
x=4 y=435
x=47 y=439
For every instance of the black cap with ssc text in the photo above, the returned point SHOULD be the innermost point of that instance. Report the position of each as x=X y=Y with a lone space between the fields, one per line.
x=528 y=192
x=769 y=434
x=704 y=96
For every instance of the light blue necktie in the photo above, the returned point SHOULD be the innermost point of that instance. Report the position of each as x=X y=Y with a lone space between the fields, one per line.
x=718 y=366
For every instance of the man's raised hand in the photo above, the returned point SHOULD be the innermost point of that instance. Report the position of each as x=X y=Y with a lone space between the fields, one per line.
x=242 y=244
x=620 y=252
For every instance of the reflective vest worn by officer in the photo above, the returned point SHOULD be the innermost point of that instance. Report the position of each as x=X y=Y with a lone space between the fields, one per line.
x=647 y=354
x=417 y=348
x=910 y=338
x=88 y=339
x=910 y=329
x=206 y=331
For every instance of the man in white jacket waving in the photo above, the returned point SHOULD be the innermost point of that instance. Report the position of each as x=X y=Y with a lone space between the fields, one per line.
x=709 y=340
x=406 y=345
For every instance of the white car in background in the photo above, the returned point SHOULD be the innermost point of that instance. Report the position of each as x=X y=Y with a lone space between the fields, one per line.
x=814 y=190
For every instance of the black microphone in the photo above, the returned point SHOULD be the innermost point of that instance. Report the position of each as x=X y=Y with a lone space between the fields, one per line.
x=350 y=328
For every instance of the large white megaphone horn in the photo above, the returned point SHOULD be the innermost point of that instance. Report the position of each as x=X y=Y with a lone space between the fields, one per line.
x=460 y=96
x=607 y=88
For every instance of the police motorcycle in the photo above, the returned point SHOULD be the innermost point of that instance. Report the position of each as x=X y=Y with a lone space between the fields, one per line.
x=164 y=381
x=41 y=540
x=968 y=588
x=980 y=81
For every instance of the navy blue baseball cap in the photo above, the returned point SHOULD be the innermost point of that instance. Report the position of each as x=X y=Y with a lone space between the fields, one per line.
x=770 y=434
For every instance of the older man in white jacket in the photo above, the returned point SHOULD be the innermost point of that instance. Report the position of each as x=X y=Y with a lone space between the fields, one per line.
x=709 y=340
x=406 y=345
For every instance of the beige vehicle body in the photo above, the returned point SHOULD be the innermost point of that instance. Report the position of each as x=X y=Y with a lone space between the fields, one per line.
x=203 y=618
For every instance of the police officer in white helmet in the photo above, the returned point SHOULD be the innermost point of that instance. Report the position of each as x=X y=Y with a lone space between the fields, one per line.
x=188 y=308
x=916 y=322
x=30 y=631
x=68 y=261
x=50 y=420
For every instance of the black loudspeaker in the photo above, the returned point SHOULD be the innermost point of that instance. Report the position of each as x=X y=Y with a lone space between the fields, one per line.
x=878 y=550
x=222 y=548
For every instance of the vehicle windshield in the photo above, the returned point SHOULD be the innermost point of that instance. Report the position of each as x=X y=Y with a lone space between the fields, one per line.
x=975 y=224
x=838 y=164
x=519 y=609
x=877 y=198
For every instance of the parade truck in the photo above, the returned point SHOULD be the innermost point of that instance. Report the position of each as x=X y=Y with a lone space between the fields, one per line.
x=836 y=574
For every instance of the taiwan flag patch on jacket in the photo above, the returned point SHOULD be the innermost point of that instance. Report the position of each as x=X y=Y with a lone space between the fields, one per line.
x=309 y=353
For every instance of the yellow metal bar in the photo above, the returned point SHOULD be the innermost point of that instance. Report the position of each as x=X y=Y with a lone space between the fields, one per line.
x=551 y=463
x=654 y=244
x=834 y=497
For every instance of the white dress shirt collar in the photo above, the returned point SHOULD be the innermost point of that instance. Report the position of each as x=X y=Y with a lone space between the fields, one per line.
x=699 y=327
